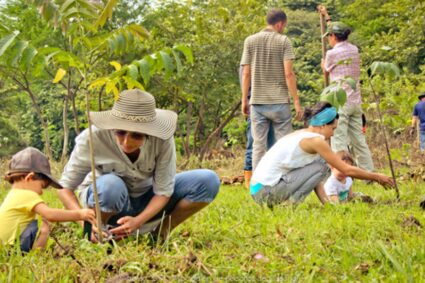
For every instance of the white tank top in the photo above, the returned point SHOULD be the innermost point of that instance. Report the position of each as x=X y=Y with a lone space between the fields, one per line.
x=285 y=155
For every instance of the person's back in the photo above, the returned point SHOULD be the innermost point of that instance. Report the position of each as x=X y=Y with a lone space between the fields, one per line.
x=284 y=156
x=16 y=212
x=267 y=50
x=343 y=61
x=267 y=68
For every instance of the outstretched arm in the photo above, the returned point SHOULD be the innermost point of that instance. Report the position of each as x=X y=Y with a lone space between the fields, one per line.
x=318 y=145
x=68 y=199
x=61 y=215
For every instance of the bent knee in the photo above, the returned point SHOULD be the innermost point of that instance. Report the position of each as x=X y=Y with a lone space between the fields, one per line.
x=112 y=193
x=200 y=185
x=212 y=183
x=111 y=186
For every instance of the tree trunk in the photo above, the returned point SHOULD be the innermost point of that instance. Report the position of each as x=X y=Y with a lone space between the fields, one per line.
x=26 y=87
x=99 y=99
x=65 y=129
x=216 y=133
x=198 y=127
x=186 y=141
x=65 y=118
x=75 y=114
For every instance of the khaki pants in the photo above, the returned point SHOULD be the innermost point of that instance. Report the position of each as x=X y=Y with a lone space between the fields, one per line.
x=349 y=132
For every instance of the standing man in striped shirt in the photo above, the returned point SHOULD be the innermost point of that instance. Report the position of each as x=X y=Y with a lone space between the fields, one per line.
x=267 y=69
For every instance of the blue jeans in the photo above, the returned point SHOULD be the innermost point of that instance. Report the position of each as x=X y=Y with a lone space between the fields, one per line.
x=250 y=141
x=27 y=237
x=279 y=115
x=195 y=186
x=422 y=140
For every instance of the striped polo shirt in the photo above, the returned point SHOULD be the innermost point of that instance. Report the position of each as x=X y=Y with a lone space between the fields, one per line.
x=265 y=52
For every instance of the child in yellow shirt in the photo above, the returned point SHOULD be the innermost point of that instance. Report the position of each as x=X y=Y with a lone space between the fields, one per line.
x=29 y=173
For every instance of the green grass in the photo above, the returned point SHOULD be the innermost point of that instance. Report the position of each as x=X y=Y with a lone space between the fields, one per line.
x=310 y=242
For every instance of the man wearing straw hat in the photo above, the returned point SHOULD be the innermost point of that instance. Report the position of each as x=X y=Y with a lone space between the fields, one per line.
x=135 y=162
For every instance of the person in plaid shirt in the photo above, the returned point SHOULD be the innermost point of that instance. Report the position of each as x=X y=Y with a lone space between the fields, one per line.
x=341 y=61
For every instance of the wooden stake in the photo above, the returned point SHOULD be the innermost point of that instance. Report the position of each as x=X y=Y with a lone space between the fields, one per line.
x=93 y=172
x=322 y=32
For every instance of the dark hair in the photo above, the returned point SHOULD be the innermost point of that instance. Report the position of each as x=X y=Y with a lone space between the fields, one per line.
x=317 y=108
x=344 y=36
x=16 y=177
x=275 y=15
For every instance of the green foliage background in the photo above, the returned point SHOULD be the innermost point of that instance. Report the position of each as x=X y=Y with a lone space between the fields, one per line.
x=205 y=92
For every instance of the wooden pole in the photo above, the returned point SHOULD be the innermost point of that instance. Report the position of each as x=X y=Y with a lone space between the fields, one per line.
x=93 y=171
x=322 y=32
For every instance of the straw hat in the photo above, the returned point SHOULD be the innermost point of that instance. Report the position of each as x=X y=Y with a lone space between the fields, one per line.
x=135 y=111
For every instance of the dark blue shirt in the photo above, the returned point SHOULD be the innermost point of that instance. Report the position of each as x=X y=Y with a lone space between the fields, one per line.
x=419 y=111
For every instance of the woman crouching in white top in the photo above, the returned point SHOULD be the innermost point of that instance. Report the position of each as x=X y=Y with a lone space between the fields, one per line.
x=296 y=164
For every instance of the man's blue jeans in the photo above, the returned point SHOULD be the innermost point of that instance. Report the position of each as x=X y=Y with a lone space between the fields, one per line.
x=195 y=186
x=422 y=140
x=279 y=115
x=250 y=141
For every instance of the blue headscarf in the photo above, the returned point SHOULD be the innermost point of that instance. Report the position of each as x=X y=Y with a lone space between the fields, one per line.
x=323 y=117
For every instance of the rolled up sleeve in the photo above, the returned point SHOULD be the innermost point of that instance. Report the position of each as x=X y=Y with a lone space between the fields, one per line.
x=165 y=170
x=78 y=165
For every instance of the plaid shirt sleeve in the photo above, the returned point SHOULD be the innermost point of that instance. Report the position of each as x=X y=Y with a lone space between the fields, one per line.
x=329 y=62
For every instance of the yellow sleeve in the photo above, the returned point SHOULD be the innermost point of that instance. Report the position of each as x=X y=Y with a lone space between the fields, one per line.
x=30 y=199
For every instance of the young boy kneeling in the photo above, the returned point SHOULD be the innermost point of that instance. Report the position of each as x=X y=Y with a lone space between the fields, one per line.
x=29 y=173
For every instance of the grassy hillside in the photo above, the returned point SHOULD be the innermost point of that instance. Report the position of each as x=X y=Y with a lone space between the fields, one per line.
x=234 y=239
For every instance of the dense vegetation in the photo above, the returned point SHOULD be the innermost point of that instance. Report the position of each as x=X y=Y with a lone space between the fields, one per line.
x=187 y=54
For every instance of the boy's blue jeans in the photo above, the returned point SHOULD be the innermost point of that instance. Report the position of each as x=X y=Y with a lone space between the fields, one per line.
x=28 y=237
x=195 y=186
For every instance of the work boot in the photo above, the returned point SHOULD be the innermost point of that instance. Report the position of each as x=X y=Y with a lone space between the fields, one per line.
x=247 y=176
